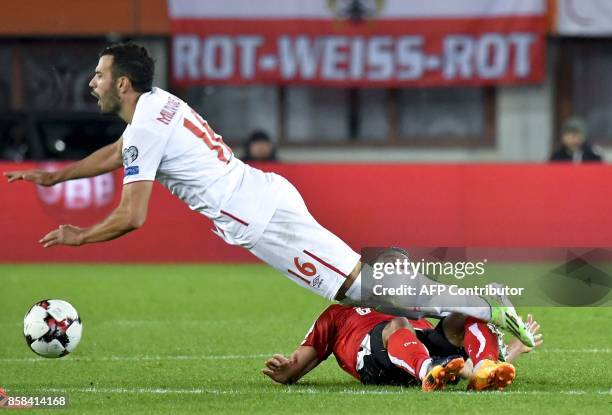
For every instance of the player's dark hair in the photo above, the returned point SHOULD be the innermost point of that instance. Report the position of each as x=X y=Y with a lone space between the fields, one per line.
x=132 y=61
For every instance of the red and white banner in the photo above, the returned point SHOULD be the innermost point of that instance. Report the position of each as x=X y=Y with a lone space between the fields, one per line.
x=358 y=42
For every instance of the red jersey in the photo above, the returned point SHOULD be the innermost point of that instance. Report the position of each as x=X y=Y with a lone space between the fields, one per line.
x=341 y=329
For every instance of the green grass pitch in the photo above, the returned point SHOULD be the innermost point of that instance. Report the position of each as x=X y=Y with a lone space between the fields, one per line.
x=192 y=339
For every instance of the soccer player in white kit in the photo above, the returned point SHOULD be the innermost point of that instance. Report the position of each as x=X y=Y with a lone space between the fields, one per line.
x=166 y=140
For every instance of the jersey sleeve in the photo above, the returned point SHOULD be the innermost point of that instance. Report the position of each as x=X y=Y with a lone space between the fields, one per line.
x=321 y=334
x=143 y=150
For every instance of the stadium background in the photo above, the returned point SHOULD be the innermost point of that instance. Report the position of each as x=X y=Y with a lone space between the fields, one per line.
x=425 y=163
x=482 y=121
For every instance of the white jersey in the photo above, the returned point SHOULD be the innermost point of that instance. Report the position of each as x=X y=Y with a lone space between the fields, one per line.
x=170 y=142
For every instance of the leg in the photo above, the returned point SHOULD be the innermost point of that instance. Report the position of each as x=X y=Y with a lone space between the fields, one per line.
x=299 y=247
x=296 y=245
x=482 y=345
x=480 y=342
x=407 y=352
x=469 y=337
x=394 y=325
x=495 y=309
x=421 y=304
x=404 y=348
x=453 y=326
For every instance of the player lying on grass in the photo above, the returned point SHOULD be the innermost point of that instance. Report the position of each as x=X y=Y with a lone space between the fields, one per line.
x=382 y=349
x=166 y=140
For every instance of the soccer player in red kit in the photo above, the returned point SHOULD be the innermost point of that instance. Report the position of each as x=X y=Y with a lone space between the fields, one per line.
x=382 y=349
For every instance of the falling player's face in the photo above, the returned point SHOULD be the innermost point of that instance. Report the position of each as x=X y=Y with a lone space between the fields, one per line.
x=104 y=87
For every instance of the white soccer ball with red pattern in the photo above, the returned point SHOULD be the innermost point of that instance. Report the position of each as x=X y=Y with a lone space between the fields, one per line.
x=52 y=328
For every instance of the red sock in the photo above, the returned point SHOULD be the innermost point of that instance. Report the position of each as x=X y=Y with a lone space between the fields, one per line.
x=480 y=342
x=407 y=352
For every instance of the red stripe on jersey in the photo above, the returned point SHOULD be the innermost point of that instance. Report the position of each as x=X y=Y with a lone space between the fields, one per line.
x=234 y=217
x=298 y=276
x=328 y=265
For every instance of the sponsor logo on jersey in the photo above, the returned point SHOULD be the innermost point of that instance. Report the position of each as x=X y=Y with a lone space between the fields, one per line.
x=316 y=282
x=130 y=155
x=132 y=170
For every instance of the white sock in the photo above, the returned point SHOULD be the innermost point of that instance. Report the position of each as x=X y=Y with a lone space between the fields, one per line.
x=425 y=367
x=478 y=365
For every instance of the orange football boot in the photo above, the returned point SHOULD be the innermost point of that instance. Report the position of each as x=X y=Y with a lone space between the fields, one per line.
x=492 y=376
x=442 y=372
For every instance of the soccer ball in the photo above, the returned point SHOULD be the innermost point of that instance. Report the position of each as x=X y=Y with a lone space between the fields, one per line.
x=52 y=328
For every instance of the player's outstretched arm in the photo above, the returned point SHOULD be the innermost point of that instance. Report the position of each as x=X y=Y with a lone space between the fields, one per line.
x=289 y=370
x=129 y=215
x=106 y=159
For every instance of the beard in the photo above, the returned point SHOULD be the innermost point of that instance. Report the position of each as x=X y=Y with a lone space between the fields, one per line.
x=110 y=103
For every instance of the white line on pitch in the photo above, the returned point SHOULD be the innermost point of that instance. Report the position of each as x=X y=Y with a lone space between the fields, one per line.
x=142 y=358
x=544 y=350
x=131 y=323
x=297 y=391
x=225 y=357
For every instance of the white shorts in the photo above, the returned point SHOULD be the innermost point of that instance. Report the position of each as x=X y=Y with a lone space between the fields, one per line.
x=298 y=246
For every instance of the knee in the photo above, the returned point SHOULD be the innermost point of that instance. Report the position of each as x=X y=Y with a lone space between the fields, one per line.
x=394 y=325
x=401 y=323
x=454 y=328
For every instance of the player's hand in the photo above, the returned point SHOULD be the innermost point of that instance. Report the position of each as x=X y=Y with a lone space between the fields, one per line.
x=279 y=369
x=534 y=328
x=64 y=235
x=41 y=177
